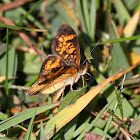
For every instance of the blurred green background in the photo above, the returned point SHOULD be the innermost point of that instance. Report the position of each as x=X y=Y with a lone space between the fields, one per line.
x=92 y=20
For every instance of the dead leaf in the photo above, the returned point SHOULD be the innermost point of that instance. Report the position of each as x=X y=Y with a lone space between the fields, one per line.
x=2 y=78
x=132 y=24
x=13 y=4
x=91 y=136
x=135 y=126
x=133 y=58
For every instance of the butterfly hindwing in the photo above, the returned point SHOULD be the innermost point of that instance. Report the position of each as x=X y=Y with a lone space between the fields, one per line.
x=52 y=67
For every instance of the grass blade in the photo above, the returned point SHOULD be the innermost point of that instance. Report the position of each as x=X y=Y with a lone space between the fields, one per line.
x=24 y=116
x=118 y=40
x=121 y=10
x=31 y=18
x=108 y=122
x=95 y=120
x=6 y=74
x=30 y=127
x=29 y=12
x=118 y=56
x=86 y=15
x=42 y=131
x=80 y=12
x=92 y=18
x=21 y=28
x=71 y=98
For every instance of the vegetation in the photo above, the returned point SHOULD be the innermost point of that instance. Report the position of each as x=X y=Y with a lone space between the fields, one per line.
x=108 y=106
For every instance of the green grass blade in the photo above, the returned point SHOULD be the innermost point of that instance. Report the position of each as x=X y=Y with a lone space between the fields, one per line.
x=12 y=64
x=31 y=18
x=100 y=132
x=130 y=93
x=86 y=15
x=71 y=97
x=95 y=120
x=24 y=116
x=30 y=127
x=3 y=116
x=131 y=81
x=118 y=40
x=42 y=131
x=108 y=5
x=82 y=127
x=118 y=94
x=29 y=12
x=117 y=53
x=92 y=18
x=70 y=129
x=6 y=74
x=80 y=13
x=108 y=122
x=131 y=4
x=121 y=10
x=21 y=28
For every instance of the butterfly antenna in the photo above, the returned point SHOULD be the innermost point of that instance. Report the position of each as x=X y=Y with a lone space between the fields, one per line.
x=93 y=49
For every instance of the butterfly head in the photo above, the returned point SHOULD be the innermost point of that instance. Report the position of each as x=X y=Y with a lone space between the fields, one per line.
x=82 y=71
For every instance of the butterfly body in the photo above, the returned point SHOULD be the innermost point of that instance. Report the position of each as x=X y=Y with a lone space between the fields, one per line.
x=64 y=69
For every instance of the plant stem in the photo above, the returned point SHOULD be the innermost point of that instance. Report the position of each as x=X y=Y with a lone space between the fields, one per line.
x=6 y=74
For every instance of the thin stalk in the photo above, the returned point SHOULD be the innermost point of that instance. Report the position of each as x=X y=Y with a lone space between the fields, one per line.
x=118 y=40
x=109 y=121
x=31 y=18
x=30 y=11
x=6 y=74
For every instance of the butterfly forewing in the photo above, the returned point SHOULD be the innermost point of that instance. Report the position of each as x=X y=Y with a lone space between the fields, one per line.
x=66 y=46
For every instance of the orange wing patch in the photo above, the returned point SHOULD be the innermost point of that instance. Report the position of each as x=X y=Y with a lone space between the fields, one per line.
x=66 y=46
x=52 y=61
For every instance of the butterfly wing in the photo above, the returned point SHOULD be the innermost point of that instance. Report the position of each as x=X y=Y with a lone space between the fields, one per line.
x=66 y=46
x=54 y=86
x=52 y=67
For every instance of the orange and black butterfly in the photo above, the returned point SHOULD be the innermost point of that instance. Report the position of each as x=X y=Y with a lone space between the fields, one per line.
x=63 y=69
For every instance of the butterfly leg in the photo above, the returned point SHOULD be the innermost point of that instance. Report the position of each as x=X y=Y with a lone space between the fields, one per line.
x=57 y=94
x=62 y=94
x=74 y=78
x=71 y=88
x=83 y=80
x=55 y=97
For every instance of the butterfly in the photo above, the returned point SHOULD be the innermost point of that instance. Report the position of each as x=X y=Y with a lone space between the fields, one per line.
x=61 y=70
